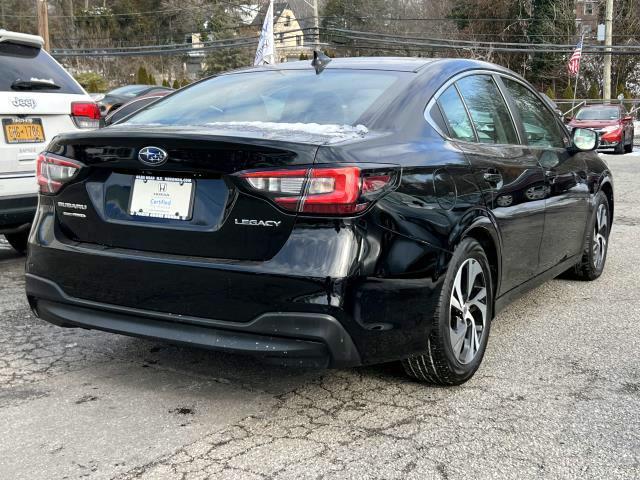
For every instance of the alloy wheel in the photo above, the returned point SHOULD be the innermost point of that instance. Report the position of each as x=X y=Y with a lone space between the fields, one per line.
x=468 y=311
x=600 y=236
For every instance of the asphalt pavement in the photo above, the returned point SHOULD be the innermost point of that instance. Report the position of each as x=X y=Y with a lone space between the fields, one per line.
x=558 y=395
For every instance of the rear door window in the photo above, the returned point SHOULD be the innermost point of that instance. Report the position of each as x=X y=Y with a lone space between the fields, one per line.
x=488 y=110
x=455 y=115
x=540 y=124
x=23 y=63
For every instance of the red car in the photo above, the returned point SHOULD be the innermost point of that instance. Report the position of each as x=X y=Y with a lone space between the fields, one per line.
x=612 y=122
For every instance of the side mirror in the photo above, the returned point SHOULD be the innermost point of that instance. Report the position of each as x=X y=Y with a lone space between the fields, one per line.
x=584 y=140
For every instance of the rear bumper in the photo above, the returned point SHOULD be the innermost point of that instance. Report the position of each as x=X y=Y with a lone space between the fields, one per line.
x=289 y=338
x=17 y=212
x=321 y=274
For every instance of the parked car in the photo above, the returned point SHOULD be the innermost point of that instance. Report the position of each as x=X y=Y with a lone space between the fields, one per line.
x=612 y=122
x=38 y=100
x=321 y=219
x=114 y=99
x=133 y=106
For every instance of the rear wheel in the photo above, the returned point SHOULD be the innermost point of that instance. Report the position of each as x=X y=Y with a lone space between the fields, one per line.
x=462 y=321
x=597 y=242
x=18 y=240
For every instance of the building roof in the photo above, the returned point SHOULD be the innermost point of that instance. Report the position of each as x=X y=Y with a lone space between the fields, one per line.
x=302 y=11
x=278 y=8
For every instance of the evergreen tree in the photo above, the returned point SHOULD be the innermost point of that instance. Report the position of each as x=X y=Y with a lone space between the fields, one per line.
x=227 y=59
x=550 y=93
x=176 y=84
x=142 y=77
x=568 y=92
x=92 y=82
x=165 y=82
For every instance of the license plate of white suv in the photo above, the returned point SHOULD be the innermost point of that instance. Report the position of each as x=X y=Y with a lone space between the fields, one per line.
x=162 y=197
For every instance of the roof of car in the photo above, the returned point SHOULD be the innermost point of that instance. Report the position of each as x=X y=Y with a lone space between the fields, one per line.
x=399 y=64
x=402 y=64
x=21 y=38
x=604 y=105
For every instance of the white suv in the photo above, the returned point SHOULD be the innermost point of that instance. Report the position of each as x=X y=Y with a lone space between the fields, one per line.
x=38 y=100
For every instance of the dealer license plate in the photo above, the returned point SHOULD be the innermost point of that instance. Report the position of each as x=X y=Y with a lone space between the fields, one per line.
x=162 y=197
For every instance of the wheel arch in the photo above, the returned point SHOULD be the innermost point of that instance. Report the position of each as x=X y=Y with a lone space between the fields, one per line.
x=485 y=232
x=607 y=187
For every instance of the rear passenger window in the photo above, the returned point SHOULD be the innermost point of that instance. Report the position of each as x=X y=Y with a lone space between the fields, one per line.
x=540 y=124
x=488 y=110
x=455 y=115
x=436 y=116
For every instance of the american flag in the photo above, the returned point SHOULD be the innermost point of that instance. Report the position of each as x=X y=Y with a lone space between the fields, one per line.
x=574 y=61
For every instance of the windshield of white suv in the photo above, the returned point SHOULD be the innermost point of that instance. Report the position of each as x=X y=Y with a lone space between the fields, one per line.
x=335 y=97
x=26 y=68
x=598 y=114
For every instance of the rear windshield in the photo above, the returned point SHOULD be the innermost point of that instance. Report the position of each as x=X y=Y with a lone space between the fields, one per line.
x=22 y=64
x=337 y=97
x=598 y=114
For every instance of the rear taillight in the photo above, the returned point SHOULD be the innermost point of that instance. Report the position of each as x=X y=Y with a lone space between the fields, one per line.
x=324 y=191
x=53 y=173
x=85 y=114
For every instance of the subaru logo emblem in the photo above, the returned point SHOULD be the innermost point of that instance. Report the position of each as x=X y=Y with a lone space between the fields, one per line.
x=153 y=156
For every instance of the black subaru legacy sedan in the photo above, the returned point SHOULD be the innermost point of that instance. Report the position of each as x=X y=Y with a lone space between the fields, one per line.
x=374 y=210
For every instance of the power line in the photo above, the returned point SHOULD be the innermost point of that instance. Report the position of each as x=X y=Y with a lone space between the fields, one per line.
x=370 y=40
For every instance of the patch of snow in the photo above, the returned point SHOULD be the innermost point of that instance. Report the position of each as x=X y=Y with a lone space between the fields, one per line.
x=331 y=132
x=42 y=80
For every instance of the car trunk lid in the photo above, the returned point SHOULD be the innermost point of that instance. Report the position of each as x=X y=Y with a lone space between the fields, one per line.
x=222 y=221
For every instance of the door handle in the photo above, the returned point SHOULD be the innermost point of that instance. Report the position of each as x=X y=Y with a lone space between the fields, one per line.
x=492 y=176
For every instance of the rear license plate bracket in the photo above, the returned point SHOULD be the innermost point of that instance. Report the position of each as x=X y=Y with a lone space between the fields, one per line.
x=162 y=197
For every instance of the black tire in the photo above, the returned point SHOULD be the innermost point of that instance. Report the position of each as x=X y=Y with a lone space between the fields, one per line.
x=619 y=149
x=589 y=268
x=440 y=365
x=629 y=148
x=18 y=240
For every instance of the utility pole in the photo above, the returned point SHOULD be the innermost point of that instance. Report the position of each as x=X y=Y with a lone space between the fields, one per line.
x=608 y=27
x=4 y=24
x=43 y=23
x=316 y=26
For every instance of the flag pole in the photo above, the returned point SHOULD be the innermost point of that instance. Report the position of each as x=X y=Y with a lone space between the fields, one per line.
x=266 y=53
x=575 y=89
